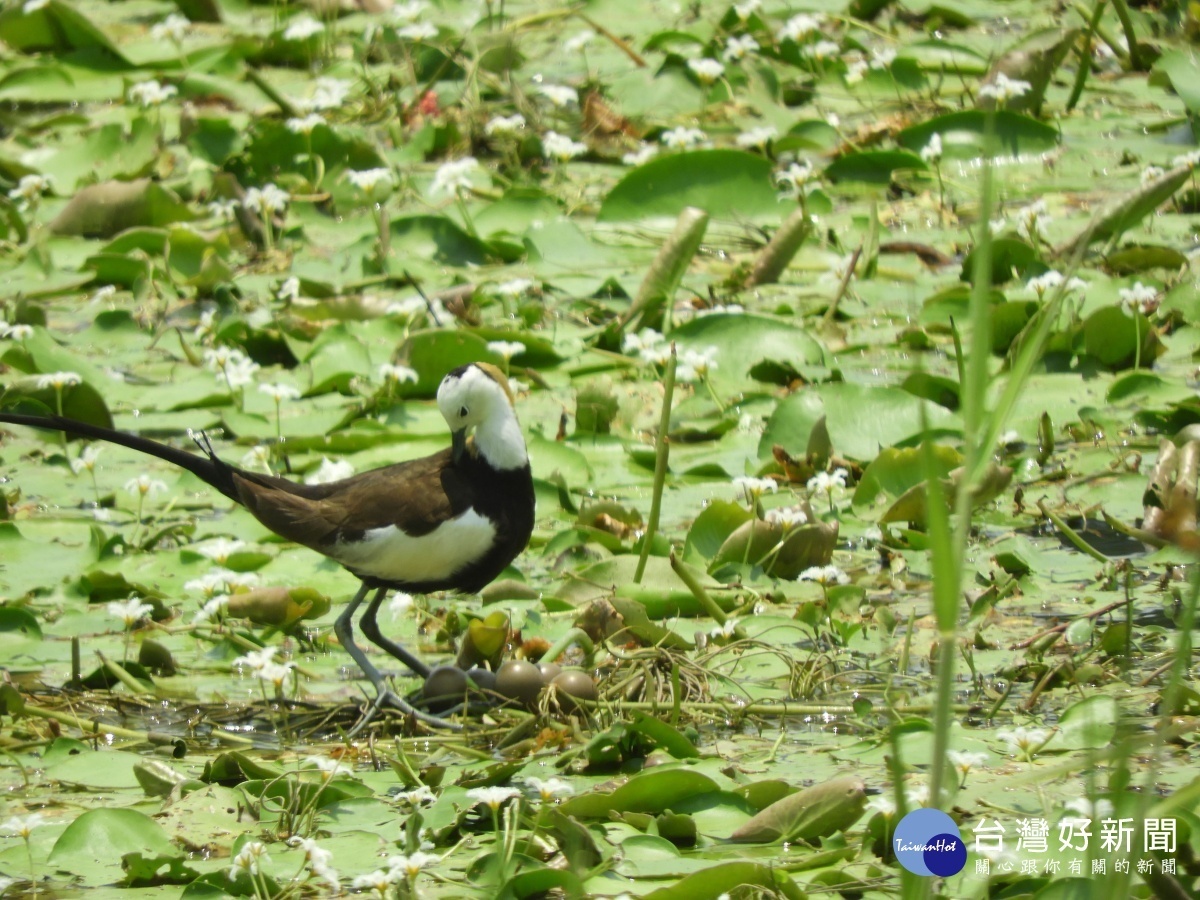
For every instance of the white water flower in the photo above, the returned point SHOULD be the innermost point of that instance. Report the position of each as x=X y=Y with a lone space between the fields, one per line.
x=515 y=287
x=257 y=457
x=173 y=28
x=86 y=459
x=643 y=339
x=32 y=6
x=410 y=11
x=329 y=93
x=249 y=859
x=22 y=826
x=1002 y=88
x=1140 y=298
x=211 y=609
x=739 y=47
x=793 y=181
x=225 y=210
x=1047 y=281
x=59 y=380
x=550 y=788
x=220 y=549
x=319 y=860
x=279 y=392
x=801 y=26
x=399 y=606
x=15 y=332
x=129 y=611
x=1187 y=159
x=559 y=95
x=681 y=138
x=378 y=882
x=30 y=189
x=826 y=482
x=932 y=152
x=882 y=804
x=882 y=57
x=1151 y=173
x=494 y=797
x=825 y=575
x=152 y=93
x=231 y=365
x=696 y=365
x=306 y=124
x=746 y=9
x=643 y=154
x=506 y=349
x=502 y=126
x=454 y=176
x=707 y=70
x=329 y=471
x=856 y=70
x=270 y=198
x=822 y=50
x=301 y=28
x=370 y=180
x=411 y=864
x=725 y=630
x=1026 y=741
x=1031 y=222
x=144 y=486
x=787 y=517
x=965 y=761
x=758 y=138
x=575 y=45
x=753 y=488
x=560 y=147
x=398 y=373
x=421 y=795
x=289 y=290
x=418 y=32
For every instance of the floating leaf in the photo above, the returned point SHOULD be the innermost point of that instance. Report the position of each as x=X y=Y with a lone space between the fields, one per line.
x=92 y=846
x=874 y=166
x=964 y=134
x=807 y=815
x=723 y=183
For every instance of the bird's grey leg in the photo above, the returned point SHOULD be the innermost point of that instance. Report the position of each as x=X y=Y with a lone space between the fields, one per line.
x=370 y=628
x=384 y=695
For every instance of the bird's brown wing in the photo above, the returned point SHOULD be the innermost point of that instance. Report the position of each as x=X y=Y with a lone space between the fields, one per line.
x=414 y=496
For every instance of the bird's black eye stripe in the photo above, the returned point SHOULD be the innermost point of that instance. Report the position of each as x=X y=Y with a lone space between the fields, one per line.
x=462 y=413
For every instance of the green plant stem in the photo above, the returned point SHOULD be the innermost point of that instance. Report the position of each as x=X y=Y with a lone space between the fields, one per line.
x=709 y=605
x=1121 y=8
x=950 y=542
x=1085 y=54
x=1071 y=534
x=573 y=636
x=662 y=450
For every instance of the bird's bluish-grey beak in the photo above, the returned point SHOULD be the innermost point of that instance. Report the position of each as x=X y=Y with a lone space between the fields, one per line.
x=458 y=444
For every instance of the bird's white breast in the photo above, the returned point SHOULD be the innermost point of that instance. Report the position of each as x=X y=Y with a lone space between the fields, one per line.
x=390 y=554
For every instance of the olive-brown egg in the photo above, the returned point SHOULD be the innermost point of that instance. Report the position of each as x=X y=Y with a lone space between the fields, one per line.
x=519 y=680
x=571 y=685
x=444 y=686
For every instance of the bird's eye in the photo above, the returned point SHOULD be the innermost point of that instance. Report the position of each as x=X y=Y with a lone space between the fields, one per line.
x=462 y=413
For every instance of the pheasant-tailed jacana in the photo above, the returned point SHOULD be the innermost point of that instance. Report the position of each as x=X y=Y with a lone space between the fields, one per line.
x=450 y=521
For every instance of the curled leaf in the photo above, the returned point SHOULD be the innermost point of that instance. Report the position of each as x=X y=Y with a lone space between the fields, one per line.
x=807 y=815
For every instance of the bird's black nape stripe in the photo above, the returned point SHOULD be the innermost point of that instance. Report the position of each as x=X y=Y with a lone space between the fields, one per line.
x=208 y=468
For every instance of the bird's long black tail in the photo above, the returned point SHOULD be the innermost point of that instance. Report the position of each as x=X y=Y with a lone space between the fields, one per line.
x=207 y=468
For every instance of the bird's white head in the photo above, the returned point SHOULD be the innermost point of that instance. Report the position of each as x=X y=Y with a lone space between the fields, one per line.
x=478 y=396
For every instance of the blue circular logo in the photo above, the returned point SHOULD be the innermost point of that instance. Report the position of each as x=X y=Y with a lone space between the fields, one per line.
x=927 y=842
